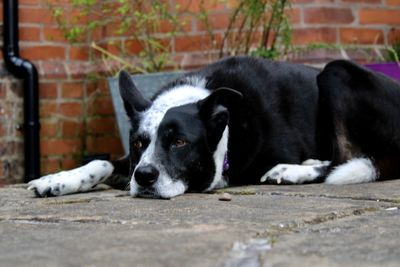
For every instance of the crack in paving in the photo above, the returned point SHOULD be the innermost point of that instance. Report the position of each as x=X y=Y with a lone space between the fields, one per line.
x=285 y=194
x=293 y=227
x=58 y=220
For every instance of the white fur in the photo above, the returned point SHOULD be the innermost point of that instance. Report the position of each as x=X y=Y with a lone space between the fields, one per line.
x=178 y=96
x=81 y=179
x=219 y=157
x=165 y=186
x=297 y=174
x=314 y=162
x=354 y=171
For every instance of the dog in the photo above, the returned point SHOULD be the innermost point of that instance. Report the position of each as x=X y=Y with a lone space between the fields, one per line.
x=245 y=120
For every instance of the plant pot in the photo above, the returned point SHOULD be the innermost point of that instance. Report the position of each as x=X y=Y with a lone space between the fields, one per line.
x=148 y=85
x=391 y=69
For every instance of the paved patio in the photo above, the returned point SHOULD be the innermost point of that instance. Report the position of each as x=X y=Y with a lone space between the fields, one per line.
x=308 y=225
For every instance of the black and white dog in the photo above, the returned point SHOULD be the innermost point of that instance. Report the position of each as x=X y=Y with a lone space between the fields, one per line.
x=245 y=120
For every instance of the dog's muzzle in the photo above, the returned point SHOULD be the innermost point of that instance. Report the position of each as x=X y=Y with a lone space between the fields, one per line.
x=146 y=175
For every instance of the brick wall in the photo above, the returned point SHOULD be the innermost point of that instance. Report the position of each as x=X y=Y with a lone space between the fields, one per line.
x=76 y=113
x=11 y=141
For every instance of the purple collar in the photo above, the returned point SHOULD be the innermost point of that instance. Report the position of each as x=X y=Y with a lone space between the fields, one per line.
x=225 y=167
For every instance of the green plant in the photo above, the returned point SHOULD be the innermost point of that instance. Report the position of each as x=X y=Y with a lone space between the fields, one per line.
x=141 y=20
x=256 y=27
x=394 y=53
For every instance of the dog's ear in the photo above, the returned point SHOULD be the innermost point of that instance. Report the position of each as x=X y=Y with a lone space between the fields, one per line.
x=214 y=111
x=132 y=98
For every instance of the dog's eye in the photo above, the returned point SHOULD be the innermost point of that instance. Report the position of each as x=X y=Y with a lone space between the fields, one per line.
x=178 y=142
x=137 y=145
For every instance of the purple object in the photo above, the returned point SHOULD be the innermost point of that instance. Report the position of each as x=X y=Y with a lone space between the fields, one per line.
x=389 y=69
x=226 y=164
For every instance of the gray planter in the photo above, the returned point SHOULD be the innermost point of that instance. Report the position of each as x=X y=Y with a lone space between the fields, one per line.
x=148 y=84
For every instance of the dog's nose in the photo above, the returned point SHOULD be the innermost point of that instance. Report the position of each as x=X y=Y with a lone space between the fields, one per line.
x=146 y=175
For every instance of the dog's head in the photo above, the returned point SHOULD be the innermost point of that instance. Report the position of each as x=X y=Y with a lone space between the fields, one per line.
x=178 y=142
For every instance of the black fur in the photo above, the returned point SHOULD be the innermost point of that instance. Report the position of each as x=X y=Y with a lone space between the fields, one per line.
x=277 y=113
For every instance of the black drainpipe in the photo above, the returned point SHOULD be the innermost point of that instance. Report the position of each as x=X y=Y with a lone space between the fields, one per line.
x=25 y=70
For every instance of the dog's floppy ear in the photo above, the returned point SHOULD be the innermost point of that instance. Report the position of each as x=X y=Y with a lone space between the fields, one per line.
x=132 y=98
x=214 y=112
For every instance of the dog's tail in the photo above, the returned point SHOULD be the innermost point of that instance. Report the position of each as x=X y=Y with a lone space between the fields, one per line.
x=354 y=171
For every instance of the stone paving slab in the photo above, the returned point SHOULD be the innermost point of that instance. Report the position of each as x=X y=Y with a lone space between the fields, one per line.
x=307 y=225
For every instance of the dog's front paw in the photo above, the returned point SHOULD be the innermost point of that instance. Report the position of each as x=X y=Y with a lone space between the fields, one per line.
x=280 y=174
x=49 y=185
x=77 y=180
x=291 y=174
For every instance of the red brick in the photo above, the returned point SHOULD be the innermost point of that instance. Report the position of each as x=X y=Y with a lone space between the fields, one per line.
x=98 y=88
x=394 y=36
x=2 y=91
x=103 y=125
x=73 y=89
x=2 y=130
x=294 y=15
x=133 y=47
x=59 y=2
x=48 y=129
x=27 y=33
x=379 y=16
x=48 y=166
x=216 y=21
x=28 y=2
x=71 y=109
x=194 y=43
x=79 y=53
x=327 y=15
x=312 y=1
x=47 y=109
x=10 y=148
x=104 y=145
x=80 y=70
x=310 y=35
x=72 y=128
x=52 y=70
x=113 y=47
x=393 y=2
x=184 y=23
x=361 y=36
x=69 y=163
x=101 y=106
x=35 y=15
x=60 y=147
x=48 y=90
x=53 y=34
x=76 y=16
x=43 y=52
x=194 y=6
x=363 y=1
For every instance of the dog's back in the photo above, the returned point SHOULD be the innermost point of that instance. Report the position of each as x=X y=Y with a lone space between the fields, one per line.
x=277 y=118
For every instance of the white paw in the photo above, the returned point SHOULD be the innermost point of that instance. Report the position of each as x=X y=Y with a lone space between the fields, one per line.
x=292 y=173
x=77 y=180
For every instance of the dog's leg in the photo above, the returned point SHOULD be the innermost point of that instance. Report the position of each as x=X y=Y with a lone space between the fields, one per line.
x=354 y=171
x=362 y=111
x=120 y=178
x=310 y=171
x=81 y=179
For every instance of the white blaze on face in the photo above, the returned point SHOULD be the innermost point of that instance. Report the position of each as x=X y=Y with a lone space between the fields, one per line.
x=165 y=186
